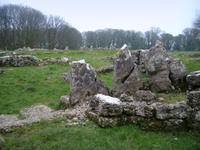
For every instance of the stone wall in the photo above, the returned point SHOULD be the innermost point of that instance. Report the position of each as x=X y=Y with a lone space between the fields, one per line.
x=107 y=111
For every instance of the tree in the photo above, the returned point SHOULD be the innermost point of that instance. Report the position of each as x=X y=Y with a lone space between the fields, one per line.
x=167 y=40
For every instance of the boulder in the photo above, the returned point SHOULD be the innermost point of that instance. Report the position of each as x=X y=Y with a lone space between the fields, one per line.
x=127 y=77
x=193 y=99
x=142 y=95
x=84 y=82
x=64 y=101
x=177 y=72
x=171 y=111
x=193 y=80
x=18 y=60
x=105 y=105
x=156 y=65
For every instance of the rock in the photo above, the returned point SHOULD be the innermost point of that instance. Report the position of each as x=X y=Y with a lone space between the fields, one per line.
x=84 y=82
x=2 y=71
x=105 y=121
x=105 y=105
x=161 y=99
x=138 y=108
x=127 y=77
x=139 y=57
x=104 y=69
x=193 y=80
x=193 y=99
x=197 y=116
x=2 y=140
x=126 y=98
x=177 y=72
x=21 y=60
x=64 y=60
x=66 y=76
x=156 y=65
x=171 y=111
x=64 y=101
x=2 y=53
x=147 y=96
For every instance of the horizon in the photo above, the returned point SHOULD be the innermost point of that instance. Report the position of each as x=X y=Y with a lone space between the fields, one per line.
x=138 y=16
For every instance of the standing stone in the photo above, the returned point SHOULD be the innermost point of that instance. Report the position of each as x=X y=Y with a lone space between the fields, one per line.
x=127 y=77
x=177 y=72
x=156 y=64
x=193 y=80
x=1 y=140
x=139 y=57
x=84 y=82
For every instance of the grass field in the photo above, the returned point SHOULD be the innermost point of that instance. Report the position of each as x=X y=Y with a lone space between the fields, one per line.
x=15 y=94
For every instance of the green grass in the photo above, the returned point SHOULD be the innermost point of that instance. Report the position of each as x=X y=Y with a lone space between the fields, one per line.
x=54 y=135
x=22 y=87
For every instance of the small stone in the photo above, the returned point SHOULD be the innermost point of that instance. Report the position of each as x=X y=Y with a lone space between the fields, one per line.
x=64 y=101
x=161 y=99
x=193 y=80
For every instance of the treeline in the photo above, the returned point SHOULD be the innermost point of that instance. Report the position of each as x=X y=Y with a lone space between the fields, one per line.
x=27 y=27
x=114 y=38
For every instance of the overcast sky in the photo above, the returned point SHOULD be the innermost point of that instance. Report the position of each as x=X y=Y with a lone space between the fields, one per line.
x=171 y=16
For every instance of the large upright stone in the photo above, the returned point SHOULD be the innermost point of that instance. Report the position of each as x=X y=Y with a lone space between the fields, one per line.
x=84 y=82
x=127 y=77
x=177 y=72
x=156 y=64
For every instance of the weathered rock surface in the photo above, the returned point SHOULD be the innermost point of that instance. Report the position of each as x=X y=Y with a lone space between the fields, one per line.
x=193 y=80
x=21 y=60
x=104 y=69
x=66 y=76
x=127 y=77
x=154 y=116
x=64 y=101
x=84 y=82
x=106 y=105
x=177 y=72
x=194 y=99
x=142 y=95
x=156 y=64
x=172 y=111
x=139 y=57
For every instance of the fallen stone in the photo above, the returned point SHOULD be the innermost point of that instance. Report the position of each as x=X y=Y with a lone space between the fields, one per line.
x=18 y=61
x=84 y=82
x=105 y=105
x=193 y=80
x=171 y=111
x=127 y=77
x=104 y=69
